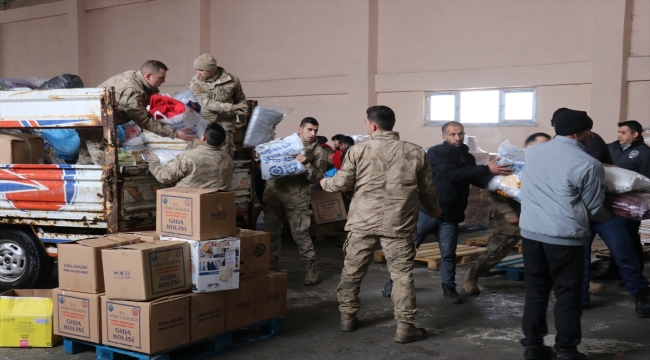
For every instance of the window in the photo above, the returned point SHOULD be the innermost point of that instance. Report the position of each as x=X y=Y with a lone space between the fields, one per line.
x=504 y=107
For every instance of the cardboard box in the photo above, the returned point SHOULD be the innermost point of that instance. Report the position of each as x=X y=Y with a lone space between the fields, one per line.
x=207 y=315
x=80 y=263
x=19 y=148
x=255 y=253
x=146 y=327
x=327 y=207
x=26 y=318
x=272 y=295
x=77 y=315
x=147 y=270
x=197 y=214
x=242 y=305
x=215 y=263
x=147 y=236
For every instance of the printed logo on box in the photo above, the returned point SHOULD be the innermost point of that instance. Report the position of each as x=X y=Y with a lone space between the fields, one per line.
x=176 y=215
x=123 y=325
x=74 y=316
x=329 y=210
x=167 y=270
x=24 y=343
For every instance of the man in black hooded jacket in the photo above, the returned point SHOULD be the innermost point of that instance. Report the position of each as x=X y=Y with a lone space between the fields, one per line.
x=454 y=170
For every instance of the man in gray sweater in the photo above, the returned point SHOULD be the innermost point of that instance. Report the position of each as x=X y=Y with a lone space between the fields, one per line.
x=562 y=188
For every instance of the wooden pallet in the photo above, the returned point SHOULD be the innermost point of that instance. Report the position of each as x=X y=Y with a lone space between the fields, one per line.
x=192 y=351
x=482 y=241
x=600 y=250
x=430 y=253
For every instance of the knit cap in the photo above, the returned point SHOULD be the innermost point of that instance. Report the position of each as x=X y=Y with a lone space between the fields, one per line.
x=205 y=62
x=571 y=122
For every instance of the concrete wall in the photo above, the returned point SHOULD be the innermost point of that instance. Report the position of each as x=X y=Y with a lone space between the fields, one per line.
x=331 y=59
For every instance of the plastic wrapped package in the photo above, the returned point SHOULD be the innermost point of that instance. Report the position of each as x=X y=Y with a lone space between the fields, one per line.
x=264 y=119
x=509 y=184
x=65 y=81
x=120 y=134
x=15 y=84
x=619 y=181
x=187 y=97
x=359 y=138
x=37 y=82
x=177 y=115
x=277 y=158
x=632 y=205
x=125 y=158
x=131 y=130
x=165 y=155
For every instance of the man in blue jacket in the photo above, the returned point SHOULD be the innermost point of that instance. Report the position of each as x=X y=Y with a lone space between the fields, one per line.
x=561 y=189
x=454 y=170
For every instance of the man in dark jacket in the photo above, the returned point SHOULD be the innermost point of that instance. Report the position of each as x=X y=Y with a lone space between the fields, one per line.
x=454 y=169
x=630 y=152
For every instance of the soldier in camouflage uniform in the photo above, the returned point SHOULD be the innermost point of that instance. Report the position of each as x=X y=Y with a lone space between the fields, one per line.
x=287 y=198
x=504 y=225
x=133 y=90
x=388 y=178
x=221 y=97
x=206 y=166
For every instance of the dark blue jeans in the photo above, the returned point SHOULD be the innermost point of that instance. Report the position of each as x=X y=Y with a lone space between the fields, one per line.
x=619 y=241
x=447 y=234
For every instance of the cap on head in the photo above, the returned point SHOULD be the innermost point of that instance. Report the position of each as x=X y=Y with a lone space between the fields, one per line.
x=571 y=122
x=556 y=113
x=205 y=62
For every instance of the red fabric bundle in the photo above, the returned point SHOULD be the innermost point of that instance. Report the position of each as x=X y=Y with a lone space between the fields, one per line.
x=168 y=106
x=631 y=205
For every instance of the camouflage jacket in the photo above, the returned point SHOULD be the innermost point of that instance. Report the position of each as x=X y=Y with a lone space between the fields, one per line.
x=500 y=209
x=132 y=94
x=293 y=191
x=217 y=95
x=388 y=179
x=205 y=167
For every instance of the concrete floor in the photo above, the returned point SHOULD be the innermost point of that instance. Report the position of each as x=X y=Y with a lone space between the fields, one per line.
x=487 y=326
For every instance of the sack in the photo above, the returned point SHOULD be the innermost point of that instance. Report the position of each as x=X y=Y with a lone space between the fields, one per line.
x=278 y=158
x=619 y=181
x=510 y=154
x=632 y=205
x=65 y=81
x=65 y=143
x=15 y=84
x=509 y=184
x=264 y=119
x=187 y=97
x=177 y=115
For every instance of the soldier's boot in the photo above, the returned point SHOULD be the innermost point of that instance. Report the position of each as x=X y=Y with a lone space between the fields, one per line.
x=407 y=333
x=470 y=282
x=312 y=273
x=349 y=322
x=387 y=291
x=275 y=264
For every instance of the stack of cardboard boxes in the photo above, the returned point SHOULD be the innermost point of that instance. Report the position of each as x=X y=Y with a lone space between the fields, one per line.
x=196 y=277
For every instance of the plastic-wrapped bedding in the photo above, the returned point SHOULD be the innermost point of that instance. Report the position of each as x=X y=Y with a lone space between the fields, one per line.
x=619 y=181
x=278 y=158
x=176 y=115
x=632 y=205
x=264 y=118
x=509 y=184
x=65 y=81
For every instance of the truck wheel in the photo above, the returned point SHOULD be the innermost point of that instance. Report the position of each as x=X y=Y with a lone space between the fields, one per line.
x=22 y=260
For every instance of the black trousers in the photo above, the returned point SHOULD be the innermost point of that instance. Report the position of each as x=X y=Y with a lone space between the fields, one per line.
x=559 y=268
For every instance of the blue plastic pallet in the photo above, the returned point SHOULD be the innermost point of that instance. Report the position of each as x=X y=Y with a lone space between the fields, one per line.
x=192 y=351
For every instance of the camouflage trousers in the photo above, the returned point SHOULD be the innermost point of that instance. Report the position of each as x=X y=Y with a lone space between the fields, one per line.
x=399 y=252
x=229 y=146
x=91 y=147
x=498 y=247
x=299 y=221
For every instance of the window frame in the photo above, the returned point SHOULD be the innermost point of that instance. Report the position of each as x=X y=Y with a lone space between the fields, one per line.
x=502 y=104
